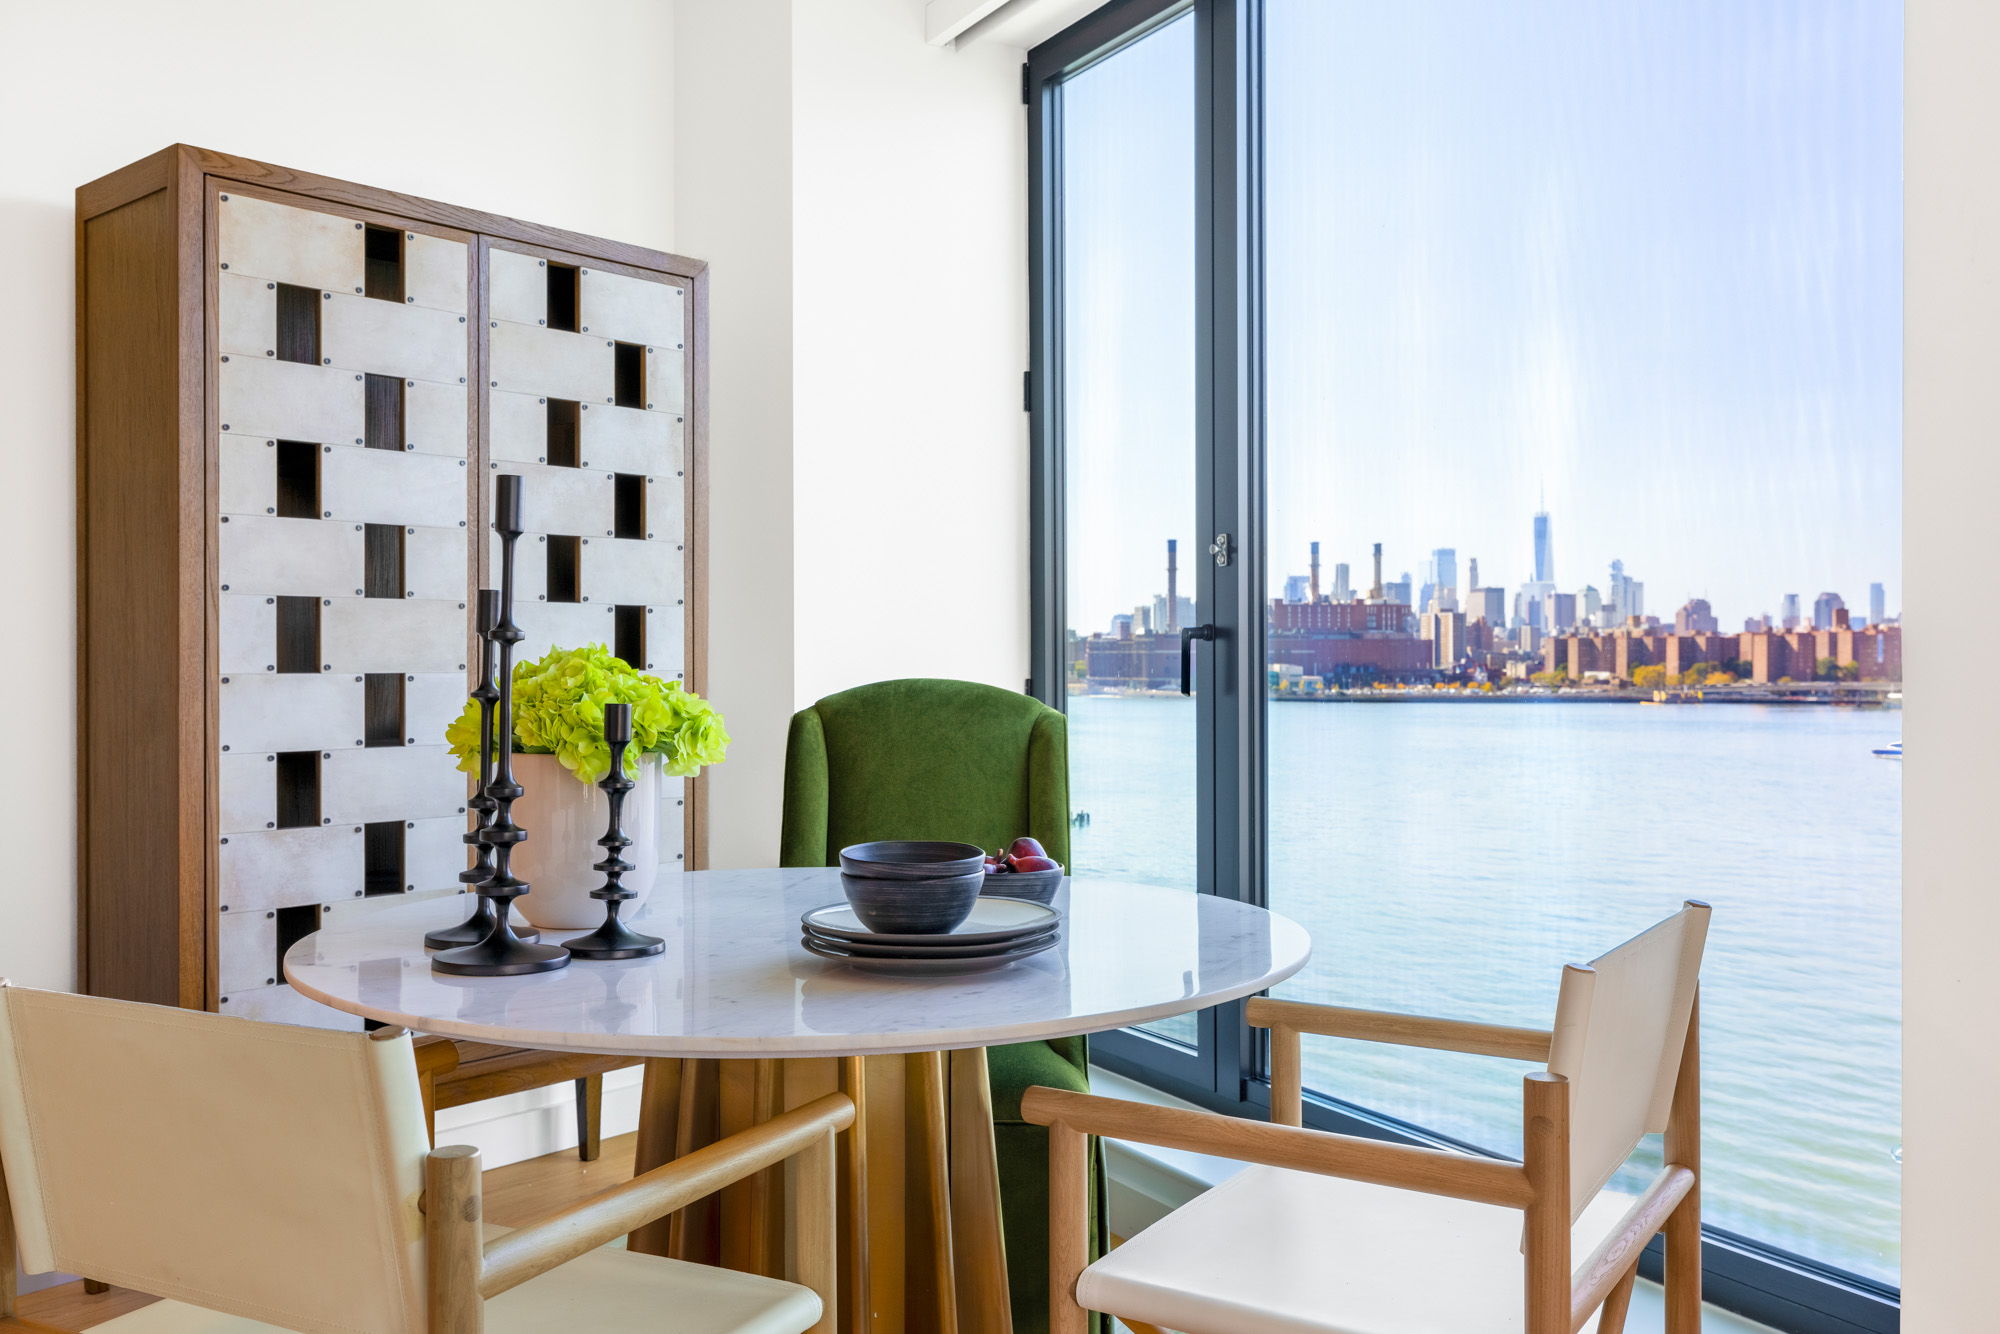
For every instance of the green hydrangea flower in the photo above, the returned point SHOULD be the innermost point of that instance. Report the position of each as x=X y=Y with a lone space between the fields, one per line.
x=559 y=710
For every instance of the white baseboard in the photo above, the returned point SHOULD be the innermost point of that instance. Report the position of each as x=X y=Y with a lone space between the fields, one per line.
x=540 y=1121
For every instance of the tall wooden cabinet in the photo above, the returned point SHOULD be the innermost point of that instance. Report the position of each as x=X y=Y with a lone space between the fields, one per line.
x=292 y=396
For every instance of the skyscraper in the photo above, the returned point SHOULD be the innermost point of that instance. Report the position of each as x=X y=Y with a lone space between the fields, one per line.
x=1297 y=589
x=1788 y=612
x=1878 y=605
x=1824 y=606
x=1441 y=574
x=1545 y=549
x=1343 y=591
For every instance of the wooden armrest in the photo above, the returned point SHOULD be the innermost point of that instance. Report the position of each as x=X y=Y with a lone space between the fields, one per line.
x=1403 y=1030
x=1485 y=1180
x=520 y=1255
x=1619 y=1251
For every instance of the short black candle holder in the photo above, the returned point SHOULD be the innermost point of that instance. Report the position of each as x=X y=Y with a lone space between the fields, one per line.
x=502 y=953
x=614 y=939
x=480 y=924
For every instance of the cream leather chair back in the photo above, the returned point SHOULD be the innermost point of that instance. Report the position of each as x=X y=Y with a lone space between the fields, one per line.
x=1620 y=1025
x=256 y=1169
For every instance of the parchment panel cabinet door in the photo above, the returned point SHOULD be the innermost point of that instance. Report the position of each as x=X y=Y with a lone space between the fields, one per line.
x=666 y=518
x=247 y=316
x=289 y=245
x=666 y=379
x=567 y=625
x=666 y=641
x=434 y=272
x=301 y=557
x=434 y=852
x=517 y=427
x=434 y=418
x=391 y=783
x=282 y=711
x=248 y=784
x=517 y=287
x=246 y=633
x=248 y=475
x=288 y=868
x=359 y=333
x=382 y=486
x=673 y=824
x=382 y=635
x=434 y=564
x=288 y=401
x=247 y=951
x=282 y=1005
x=532 y=360
x=630 y=440
x=630 y=310
x=432 y=701
x=574 y=501
x=632 y=572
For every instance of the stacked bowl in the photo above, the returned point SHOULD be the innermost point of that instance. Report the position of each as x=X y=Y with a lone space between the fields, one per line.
x=915 y=907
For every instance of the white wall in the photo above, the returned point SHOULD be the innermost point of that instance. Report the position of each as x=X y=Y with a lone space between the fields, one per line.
x=868 y=261
x=911 y=448
x=733 y=91
x=1951 y=481
x=502 y=105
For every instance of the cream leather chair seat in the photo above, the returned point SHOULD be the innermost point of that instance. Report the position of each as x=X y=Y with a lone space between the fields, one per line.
x=608 y=1291
x=1272 y=1251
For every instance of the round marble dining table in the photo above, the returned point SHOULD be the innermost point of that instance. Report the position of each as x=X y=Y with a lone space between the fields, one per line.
x=734 y=981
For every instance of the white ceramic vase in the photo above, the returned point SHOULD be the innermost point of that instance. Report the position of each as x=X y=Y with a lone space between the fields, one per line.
x=564 y=819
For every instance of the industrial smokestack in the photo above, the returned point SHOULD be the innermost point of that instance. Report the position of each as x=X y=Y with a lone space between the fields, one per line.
x=1375 y=593
x=1315 y=576
x=1173 y=590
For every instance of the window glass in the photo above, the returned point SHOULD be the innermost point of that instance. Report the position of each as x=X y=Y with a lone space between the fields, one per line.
x=1584 y=552
x=1127 y=404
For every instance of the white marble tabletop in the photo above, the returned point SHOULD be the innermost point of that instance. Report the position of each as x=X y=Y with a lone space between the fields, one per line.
x=734 y=980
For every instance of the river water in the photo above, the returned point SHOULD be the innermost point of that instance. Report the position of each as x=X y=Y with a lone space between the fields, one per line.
x=1450 y=857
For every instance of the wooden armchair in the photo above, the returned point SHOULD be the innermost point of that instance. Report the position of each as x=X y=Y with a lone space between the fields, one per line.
x=1333 y=1232
x=272 y=1177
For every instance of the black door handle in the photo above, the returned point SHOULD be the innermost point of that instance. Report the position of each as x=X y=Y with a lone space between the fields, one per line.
x=1190 y=633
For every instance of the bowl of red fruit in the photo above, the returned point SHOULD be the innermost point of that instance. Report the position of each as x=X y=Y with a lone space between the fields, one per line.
x=1023 y=870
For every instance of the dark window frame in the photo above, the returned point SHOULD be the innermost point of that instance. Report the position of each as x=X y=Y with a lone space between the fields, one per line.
x=1226 y=1069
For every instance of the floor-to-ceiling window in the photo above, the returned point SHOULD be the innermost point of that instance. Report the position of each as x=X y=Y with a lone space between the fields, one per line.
x=1564 y=360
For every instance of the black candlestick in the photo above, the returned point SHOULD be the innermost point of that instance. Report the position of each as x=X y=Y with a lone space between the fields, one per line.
x=480 y=925
x=614 y=939
x=503 y=953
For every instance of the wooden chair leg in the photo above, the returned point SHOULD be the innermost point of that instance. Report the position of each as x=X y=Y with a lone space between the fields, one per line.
x=1069 y=1227
x=1545 y=1154
x=818 y=1246
x=1611 y=1317
x=590 y=1116
x=854 y=1188
x=7 y=1271
x=452 y=1242
x=1683 y=1146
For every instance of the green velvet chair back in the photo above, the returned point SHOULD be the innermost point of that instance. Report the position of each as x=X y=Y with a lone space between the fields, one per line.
x=924 y=759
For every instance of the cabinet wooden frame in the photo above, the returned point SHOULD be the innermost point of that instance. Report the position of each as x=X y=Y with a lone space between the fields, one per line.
x=147 y=499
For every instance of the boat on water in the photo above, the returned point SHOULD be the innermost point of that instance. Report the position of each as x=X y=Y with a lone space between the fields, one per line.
x=1893 y=751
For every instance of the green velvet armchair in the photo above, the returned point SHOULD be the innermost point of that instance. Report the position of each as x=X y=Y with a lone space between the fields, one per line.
x=971 y=763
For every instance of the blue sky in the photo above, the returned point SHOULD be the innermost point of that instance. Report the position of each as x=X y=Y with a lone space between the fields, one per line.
x=1643 y=258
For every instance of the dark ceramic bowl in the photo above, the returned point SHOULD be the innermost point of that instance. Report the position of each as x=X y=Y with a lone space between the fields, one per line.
x=913 y=907
x=1034 y=886
x=911 y=859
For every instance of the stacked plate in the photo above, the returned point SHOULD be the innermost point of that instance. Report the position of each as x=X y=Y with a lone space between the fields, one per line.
x=998 y=932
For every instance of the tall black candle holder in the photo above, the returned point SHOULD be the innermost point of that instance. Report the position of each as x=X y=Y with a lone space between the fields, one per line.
x=480 y=924
x=614 y=939
x=502 y=953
